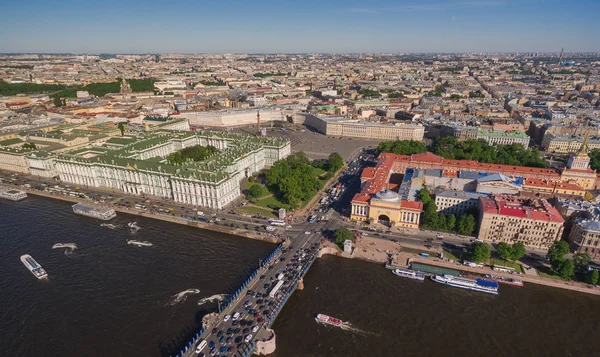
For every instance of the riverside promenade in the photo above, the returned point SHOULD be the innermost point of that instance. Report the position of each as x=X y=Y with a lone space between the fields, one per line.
x=163 y=217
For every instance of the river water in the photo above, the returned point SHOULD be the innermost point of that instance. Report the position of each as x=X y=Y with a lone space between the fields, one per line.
x=108 y=298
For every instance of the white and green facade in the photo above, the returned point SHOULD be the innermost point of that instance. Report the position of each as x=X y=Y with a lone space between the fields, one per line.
x=141 y=168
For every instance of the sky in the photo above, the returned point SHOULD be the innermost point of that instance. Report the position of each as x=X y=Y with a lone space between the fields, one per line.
x=299 y=26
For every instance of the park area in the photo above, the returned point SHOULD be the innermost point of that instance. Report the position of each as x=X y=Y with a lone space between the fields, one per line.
x=289 y=184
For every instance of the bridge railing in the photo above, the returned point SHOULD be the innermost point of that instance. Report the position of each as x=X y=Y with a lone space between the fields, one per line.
x=232 y=298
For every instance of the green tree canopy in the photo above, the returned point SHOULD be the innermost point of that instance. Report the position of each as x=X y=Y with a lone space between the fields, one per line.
x=504 y=250
x=592 y=276
x=335 y=161
x=121 y=127
x=194 y=153
x=396 y=95
x=424 y=196
x=466 y=224
x=450 y=148
x=57 y=102
x=512 y=252
x=479 y=252
x=142 y=85
x=451 y=222
x=342 y=234
x=518 y=251
x=402 y=147
x=255 y=191
x=581 y=260
x=293 y=180
x=566 y=269
x=556 y=253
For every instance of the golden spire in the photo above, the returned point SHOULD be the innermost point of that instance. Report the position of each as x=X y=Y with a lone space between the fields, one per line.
x=584 y=147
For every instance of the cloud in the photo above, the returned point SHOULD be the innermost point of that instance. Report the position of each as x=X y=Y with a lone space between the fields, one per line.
x=425 y=7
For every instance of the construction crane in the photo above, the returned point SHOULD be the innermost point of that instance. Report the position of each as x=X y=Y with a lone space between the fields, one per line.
x=564 y=63
x=560 y=57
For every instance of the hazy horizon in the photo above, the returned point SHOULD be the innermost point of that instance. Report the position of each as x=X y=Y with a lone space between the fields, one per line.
x=337 y=26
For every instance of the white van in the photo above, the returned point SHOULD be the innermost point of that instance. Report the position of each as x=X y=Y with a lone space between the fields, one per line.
x=201 y=346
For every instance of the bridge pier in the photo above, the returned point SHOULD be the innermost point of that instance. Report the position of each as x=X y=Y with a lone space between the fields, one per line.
x=266 y=346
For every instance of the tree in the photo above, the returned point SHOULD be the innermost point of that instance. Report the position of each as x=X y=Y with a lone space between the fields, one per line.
x=504 y=250
x=57 y=102
x=451 y=222
x=566 y=269
x=122 y=128
x=556 y=254
x=194 y=153
x=466 y=224
x=254 y=191
x=581 y=260
x=430 y=215
x=402 y=147
x=592 y=276
x=342 y=234
x=424 y=196
x=293 y=179
x=480 y=252
x=518 y=251
x=396 y=95
x=335 y=161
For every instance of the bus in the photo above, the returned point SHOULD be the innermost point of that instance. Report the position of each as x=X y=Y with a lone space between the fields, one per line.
x=276 y=289
x=275 y=222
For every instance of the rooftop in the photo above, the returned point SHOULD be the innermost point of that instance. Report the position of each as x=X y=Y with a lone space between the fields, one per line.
x=534 y=209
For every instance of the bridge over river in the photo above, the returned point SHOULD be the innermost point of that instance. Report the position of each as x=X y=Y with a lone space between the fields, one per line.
x=227 y=334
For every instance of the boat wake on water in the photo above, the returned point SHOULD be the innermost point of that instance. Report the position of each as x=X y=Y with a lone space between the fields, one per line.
x=70 y=247
x=140 y=243
x=348 y=327
x=216 y=297
x=134 y=226
x=182 y=296
x=109 y=225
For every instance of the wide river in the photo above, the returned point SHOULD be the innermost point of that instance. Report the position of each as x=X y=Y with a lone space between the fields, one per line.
x=110 y=298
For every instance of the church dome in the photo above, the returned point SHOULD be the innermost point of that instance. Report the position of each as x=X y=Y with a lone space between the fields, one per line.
x=387 y=195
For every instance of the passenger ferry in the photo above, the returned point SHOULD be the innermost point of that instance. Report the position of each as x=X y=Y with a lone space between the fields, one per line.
x=13 y=195
x=480 y=285
x=104 y=214
x=34 y=267
x=329 y=320
x=411 y=274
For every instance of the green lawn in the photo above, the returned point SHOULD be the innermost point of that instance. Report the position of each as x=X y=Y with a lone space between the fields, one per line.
x=317 y=171
x=270 y=202
x=452 y=255
x=546 y=272
x=416 y=251
x=506 y=263
x=257 y=210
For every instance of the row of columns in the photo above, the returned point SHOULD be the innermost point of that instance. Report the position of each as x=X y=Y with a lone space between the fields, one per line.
x=410 y=217
x=360 y=210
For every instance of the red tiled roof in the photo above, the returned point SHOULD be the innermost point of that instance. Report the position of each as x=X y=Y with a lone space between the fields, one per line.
x=426 y=156
x=368 y=173
x=412 y=205
x=535 y=209
x=424 y=159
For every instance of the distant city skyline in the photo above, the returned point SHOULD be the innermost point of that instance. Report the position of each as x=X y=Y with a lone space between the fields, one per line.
x=380 y=26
